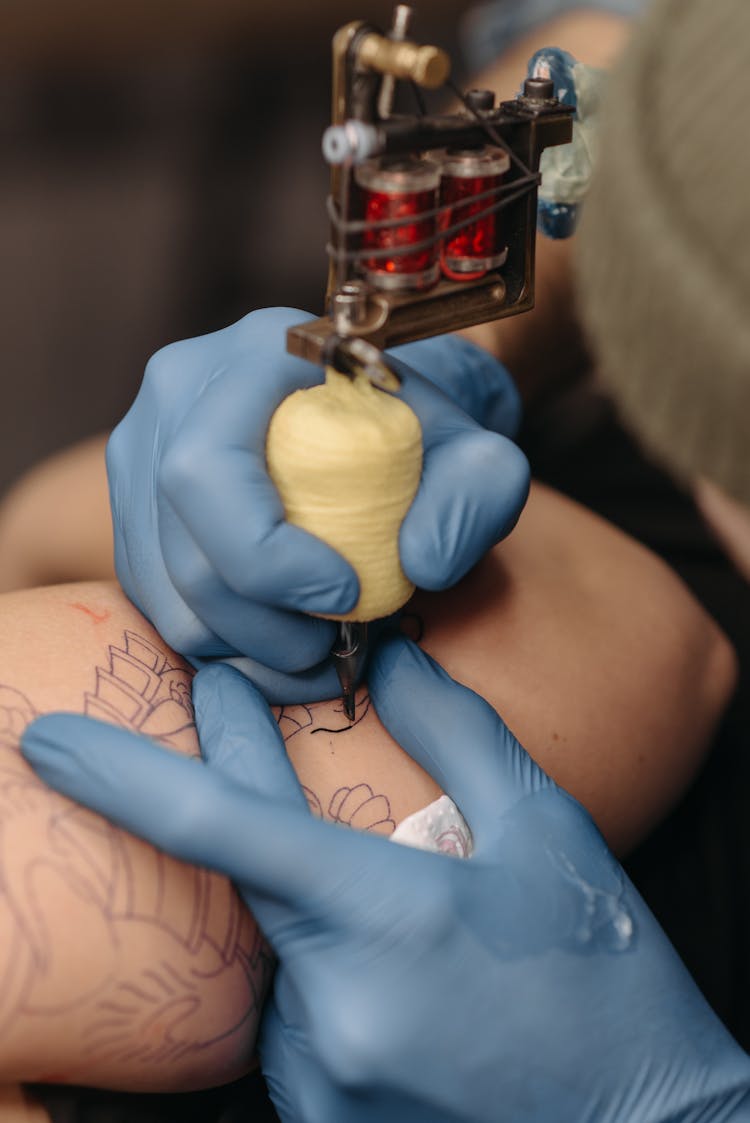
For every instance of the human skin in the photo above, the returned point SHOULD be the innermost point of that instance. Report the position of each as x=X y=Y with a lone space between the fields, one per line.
x=621 y=722
x=121 y=967
x=55 y=523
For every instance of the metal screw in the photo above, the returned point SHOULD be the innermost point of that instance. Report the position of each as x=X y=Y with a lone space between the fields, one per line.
x=349 y=310
x=538 y=89
x=481 y=100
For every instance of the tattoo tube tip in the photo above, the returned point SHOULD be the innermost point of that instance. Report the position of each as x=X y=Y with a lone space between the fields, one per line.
x=349 y=704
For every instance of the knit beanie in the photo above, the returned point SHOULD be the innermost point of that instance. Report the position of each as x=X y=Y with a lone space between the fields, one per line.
x=664 y=241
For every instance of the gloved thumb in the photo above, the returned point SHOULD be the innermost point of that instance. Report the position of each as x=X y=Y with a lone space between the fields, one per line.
x=470 y=376
x=453 y=734
x=239 y=736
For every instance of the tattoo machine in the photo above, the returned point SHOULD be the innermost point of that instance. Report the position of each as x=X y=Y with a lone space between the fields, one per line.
x=433 y=216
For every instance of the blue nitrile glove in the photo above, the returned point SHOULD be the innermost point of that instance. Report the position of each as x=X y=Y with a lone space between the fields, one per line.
x=475 y=381
x=201 y=545
x=528 y=984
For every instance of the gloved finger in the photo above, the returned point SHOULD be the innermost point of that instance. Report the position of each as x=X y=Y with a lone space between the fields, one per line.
x=301 y=1088
x=186 y=364
x=240 y=737
x=453 y=734
x=323 y=1083
x=474 y=486
x=286 y=1064
x=470 y=376
x=439 y=416
x=213 y=821
x=146 y=583
x=316 y=684
x=285 y=641
x=236 y=519
x=215 y=477
x=294 y=643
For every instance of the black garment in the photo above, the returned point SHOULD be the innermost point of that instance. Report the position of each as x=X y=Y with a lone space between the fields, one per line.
x=245 y=1101
x=694 y=871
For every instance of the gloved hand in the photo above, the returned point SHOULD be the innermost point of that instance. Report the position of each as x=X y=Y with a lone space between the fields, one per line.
x=528 y=984
x=201 y=545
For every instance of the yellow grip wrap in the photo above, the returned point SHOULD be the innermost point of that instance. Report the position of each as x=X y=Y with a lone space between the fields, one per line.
x=346 y=459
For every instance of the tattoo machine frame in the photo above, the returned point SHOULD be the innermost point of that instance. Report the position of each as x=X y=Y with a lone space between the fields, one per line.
x=433 y=216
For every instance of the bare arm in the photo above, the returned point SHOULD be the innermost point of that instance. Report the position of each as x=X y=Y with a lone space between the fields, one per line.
x=55 y=523
x=119 y=966
x=123 y=968
x=597 y=656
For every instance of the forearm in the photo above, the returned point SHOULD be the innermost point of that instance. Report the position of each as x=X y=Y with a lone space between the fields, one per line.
x=55 y=524
x=120 y=967
x=601 y=661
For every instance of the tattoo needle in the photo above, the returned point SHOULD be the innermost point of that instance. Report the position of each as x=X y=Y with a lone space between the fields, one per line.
x=349 y=654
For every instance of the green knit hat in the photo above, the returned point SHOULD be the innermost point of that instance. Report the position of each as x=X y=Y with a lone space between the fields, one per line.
x=664 y=241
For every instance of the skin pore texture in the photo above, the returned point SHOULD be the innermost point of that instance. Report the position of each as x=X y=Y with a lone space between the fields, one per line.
x=121 y=967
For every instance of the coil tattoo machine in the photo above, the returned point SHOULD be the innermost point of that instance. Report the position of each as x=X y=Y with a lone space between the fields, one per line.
x=432 y=216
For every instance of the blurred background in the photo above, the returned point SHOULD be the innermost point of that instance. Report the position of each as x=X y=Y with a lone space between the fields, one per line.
x=160 y=176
